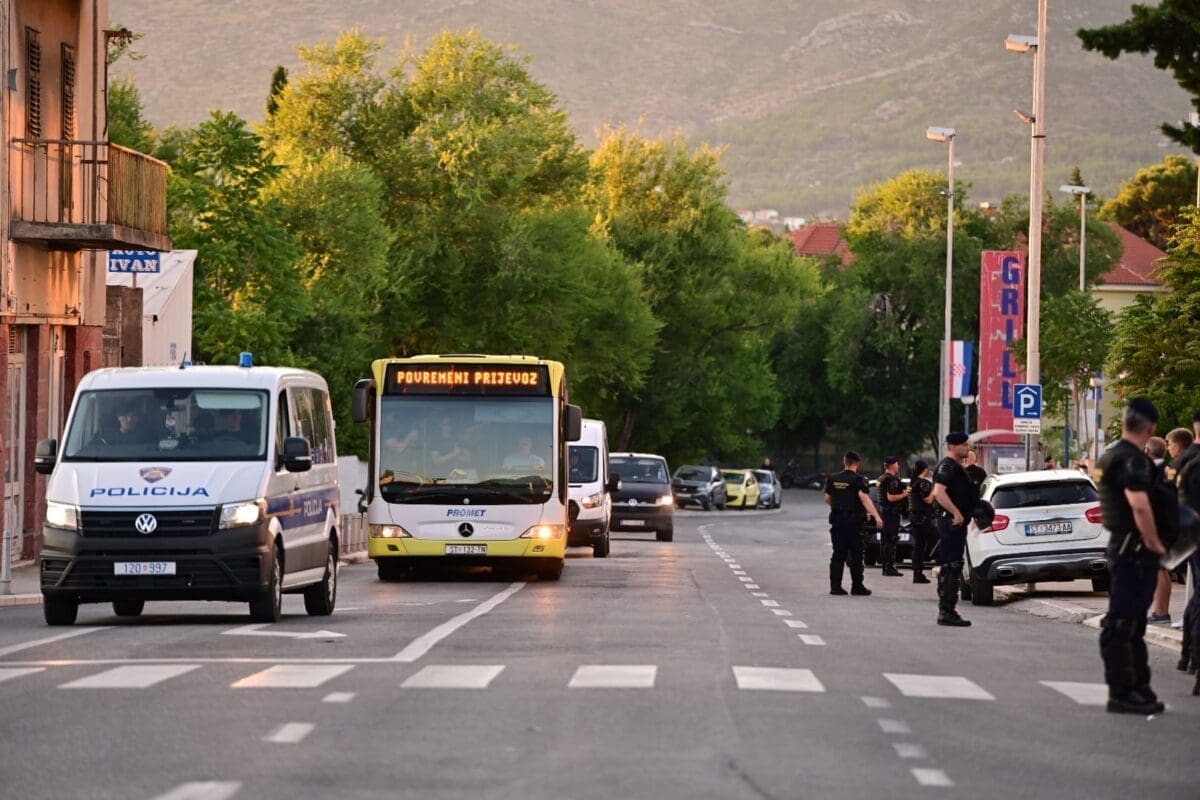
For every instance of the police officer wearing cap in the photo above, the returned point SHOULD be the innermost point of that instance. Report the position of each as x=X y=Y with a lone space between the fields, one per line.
x=920 y=514
x=892 y=499
x=956 y=497
x=1125 y=476
x=846 y=494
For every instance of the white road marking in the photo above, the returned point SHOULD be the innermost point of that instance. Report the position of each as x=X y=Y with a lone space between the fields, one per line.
x=613 y=676
x=894 y=726
x=139 y=677
x=760 y=594
x=931 y=777
x=876 y=702
x=779 y=612
x=256 y=629
x=453 y=676
x=735 y=566
x=16 y=648
x=425 y=642
x=753 y=586
x=745 y=579
x=202 y=790
x=1086 y=694
x=942 y=686
x=292 y=676
x=910 y=750
x=811 y=639
x=9 y=674
x=795 y=623
x=770 y=603
x=290 y=733
x=339 y=697
x=777 y=679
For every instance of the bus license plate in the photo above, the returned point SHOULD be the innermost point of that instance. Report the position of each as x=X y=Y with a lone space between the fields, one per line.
x=1048 y=528
x=466 y=549
x=144 y=568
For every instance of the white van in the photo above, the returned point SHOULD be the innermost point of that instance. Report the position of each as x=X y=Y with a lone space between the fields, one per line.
x=589 y=485
x=196 y=483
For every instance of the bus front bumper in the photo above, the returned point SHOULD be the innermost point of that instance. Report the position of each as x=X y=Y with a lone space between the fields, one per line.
x=508 y=548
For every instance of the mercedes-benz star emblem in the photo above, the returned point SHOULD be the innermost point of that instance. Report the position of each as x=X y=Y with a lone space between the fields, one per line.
x=145 y=523
x=466 y=529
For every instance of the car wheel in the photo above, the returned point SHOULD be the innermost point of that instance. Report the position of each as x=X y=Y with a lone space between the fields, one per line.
x=666 y=534
x=320 y=598
x=128 y=608
x=705 y=504
x=551 y=572
x=600 y=548
x=268 y=605
x=59 y=610
x=1101 y=583
x=982 y=590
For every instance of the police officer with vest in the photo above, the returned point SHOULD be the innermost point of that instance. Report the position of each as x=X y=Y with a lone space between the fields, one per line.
x=846 y=494
x=956 y=497
x=920 y=514
x=893 y=497
x=1126 y=477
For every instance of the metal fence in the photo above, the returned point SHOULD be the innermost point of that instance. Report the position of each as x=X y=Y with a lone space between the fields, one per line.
x=354 y=533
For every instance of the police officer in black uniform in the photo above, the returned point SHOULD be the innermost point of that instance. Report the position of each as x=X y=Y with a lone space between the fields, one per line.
x=920 y=514
x=956 y=497
x=1126 y=475
x=846 y=494
x=893 y=497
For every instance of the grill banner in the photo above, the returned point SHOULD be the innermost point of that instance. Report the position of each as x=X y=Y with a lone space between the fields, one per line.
x=1001 y=322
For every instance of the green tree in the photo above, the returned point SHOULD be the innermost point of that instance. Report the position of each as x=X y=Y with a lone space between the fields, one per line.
x=127 y=125
x=1172 y=31
x=1077 y=333
x=1149 y=203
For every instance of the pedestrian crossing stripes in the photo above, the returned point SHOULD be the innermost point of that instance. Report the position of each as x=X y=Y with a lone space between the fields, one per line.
x=454 y=676
x=15 y=672
x=131 y=677
x=293 y=676
x=608 y=676
x=1085 y=694
x=938 y=686
x=202 y=790
x=778 y=680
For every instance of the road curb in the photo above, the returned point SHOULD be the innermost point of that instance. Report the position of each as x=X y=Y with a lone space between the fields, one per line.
x=1059 y=611
x=20 y=600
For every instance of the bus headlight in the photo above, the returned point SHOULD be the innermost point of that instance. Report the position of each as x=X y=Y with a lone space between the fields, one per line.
x=666 y=500
x=242 y=515
x=545 y=532
x=61 y=515
x=593 y=500
x=387 y=532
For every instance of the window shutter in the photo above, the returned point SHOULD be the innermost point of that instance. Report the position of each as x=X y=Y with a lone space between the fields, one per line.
x=33 y=85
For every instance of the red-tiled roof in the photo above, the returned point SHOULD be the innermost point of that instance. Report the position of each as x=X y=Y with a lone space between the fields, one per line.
x=822 y=239
x=1138 y=262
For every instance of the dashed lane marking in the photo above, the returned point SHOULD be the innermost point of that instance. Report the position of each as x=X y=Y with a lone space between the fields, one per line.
x=894 y=726
x=453 y=676
x=202 y=790
x=290 y=733
x=779 y=612
x=753 y=586
x=931 y=777
x=876 y=702
x=1086 y=694
x=910 y=750
x=795 y=623
x=759 y=594
x=770 y=603
x=339 y=697
x=812 y=639
x=777 y=679
x=938 y=686
x=614 y=676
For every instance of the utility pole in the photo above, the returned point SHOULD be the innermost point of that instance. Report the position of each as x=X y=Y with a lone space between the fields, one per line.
x=1033 y=303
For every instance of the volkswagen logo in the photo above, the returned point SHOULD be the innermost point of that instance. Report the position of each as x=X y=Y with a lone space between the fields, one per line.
x=145 y=523
x=466 y=529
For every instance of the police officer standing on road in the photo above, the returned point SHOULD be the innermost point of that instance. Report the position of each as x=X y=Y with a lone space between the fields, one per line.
x=1125 y=476
x=920 y=514
x=846 y=494
x=893 y=497
x=956 y=497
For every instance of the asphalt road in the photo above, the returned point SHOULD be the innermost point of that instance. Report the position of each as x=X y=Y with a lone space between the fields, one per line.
x=714 y=666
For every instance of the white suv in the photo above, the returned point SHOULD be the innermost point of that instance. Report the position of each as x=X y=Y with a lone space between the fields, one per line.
x=1047 y=528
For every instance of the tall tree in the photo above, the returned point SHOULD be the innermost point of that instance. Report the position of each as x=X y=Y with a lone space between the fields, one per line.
x=1150 y=202
x=127 y=125
x=1172 y=31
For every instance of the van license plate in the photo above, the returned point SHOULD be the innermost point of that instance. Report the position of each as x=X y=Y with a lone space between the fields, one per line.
x=144 y=568
x=633 y=522
x=466 y=549
x=1048 y=528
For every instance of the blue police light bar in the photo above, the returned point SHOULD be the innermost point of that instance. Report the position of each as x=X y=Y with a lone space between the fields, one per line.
x=245 y=359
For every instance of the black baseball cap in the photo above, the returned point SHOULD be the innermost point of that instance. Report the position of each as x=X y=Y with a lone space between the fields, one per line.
x=889 y=460
x=851 y=457
x=1143 y=408
x=956 y=437
x=920 y=466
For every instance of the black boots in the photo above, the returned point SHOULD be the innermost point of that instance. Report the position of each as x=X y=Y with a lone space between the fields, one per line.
x=835 y=578
x=1128 y=691
x=887 y=556
x=891 y=572
x=1133 y=702
x=919 y=577
x=948 y=578
x=856 y=578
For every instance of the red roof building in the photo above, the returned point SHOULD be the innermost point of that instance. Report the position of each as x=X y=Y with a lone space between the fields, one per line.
x=822 y=239
x=1134 y=274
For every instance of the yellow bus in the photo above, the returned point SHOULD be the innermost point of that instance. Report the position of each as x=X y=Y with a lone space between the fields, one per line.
x=467 y=461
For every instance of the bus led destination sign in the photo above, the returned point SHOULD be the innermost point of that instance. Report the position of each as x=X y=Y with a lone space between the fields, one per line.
x=459 y=379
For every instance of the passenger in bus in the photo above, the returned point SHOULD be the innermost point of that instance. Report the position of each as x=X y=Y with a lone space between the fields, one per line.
x=446 y=448
x=402 y=455
x=524 y=461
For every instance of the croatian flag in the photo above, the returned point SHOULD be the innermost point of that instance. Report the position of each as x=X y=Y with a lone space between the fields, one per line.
x=962 y=361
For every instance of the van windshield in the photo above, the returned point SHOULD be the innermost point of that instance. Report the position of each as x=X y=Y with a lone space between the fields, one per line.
x=177 y=424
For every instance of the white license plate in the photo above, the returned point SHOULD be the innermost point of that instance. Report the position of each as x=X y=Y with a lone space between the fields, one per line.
x=144 y=568
x=1048 y=528
x=633 y=522
x=466 y=549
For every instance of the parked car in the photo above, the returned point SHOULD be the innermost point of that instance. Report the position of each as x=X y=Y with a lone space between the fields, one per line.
x=644 y=501
x=793 y=476
x=741 y=487
x=770 y=490
x=873 y=539
x=1047 y=528
x=699 y=484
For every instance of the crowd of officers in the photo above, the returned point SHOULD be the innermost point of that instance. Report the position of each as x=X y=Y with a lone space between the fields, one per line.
x=1145 y=507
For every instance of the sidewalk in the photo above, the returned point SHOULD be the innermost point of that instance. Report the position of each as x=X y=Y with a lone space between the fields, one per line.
x=26 y=586
x=1074 y=601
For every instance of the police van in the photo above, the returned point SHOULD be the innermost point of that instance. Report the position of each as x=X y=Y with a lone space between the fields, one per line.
x=589 y=485
x=192 y=483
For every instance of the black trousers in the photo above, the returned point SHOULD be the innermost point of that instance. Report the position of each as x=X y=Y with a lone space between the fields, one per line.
x=922 y=536
x=952 y=541
x=844 y=531
x=1123 y=629
x=889 y=537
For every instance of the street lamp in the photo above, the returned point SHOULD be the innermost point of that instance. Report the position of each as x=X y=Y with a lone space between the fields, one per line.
x=946 y=135
x=1037 y=149
x=1097 y=383
x=1083 y=193
x=967 y=400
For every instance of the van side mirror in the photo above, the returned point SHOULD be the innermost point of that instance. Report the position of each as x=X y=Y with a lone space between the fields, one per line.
x=574 y=423
x=361 y=404
x=297 y=454
x=614 y=482
x=44 y=456
x=362 y=500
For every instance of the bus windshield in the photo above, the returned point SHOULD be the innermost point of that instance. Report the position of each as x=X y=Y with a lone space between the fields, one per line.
x=466 y=449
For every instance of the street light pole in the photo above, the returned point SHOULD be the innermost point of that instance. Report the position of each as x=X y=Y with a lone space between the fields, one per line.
x=1082 y=192
x=946 y=135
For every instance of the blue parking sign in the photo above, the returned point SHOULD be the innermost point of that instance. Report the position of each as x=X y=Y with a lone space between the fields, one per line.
x=1027 y=408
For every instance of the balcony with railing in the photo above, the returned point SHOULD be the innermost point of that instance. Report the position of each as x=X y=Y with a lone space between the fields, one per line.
x=84 y=195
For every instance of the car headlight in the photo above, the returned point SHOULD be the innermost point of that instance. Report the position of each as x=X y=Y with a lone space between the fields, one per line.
x=545 y=532
x=666 y=500
x=387 y=532
x=241 y=515
x=592 y=500
x=61 y=515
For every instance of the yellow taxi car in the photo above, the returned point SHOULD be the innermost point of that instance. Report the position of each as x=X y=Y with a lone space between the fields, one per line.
x=741 y=488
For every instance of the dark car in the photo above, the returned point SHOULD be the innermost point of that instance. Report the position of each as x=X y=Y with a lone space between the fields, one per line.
x=644 y=502
x=699 y=485
x=770 y=490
